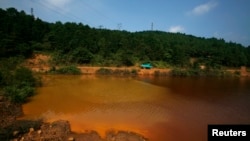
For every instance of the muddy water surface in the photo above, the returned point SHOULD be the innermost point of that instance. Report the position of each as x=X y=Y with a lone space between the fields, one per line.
x=161 y=109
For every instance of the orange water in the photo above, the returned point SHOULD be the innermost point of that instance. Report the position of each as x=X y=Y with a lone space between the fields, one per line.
x=160 y=109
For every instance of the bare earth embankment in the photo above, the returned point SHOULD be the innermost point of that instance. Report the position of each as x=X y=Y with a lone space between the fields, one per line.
x=40 y=63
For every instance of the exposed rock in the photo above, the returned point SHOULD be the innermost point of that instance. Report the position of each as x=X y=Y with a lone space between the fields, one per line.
x=56 y=131
x=71 y=139
x=39 y=132
x=124 y=136
x=15 y=133
x=88 y=136
x=60 y=131
x=31 y=130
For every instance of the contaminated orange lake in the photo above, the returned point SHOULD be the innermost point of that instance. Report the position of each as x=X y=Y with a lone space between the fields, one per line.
x=160 y=109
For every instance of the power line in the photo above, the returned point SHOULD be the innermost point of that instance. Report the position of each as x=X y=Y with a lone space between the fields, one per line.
x=97 y=11
x=59 y=13
x=100 y=13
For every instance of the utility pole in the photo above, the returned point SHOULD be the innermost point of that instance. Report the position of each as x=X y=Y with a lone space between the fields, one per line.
x=152 y=26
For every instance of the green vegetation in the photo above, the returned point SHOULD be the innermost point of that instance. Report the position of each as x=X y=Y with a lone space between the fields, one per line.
x=201 y=72
x=159 y=74
x=76 y=43
x=120 y=72
x=16 y=82
x=72 y=69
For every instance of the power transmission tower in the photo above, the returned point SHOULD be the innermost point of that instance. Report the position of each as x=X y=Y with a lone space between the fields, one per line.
x=101 y=26
x=119 y=26
x=152 y=26
x=32 y=12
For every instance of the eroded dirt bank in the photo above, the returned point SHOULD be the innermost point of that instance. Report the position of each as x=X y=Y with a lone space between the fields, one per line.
x=41 y=63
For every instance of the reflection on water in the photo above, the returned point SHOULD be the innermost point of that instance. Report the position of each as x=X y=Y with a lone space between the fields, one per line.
x=159 y=108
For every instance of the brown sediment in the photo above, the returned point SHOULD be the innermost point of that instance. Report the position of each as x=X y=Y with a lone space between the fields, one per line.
x=38 y=63
x=60 y=131
x=14 y=130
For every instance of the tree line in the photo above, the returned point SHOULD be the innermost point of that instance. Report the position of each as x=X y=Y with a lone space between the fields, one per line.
x=75 y=43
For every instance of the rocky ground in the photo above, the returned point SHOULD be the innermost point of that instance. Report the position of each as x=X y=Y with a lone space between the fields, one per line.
x=12 y=129
x=9 y=112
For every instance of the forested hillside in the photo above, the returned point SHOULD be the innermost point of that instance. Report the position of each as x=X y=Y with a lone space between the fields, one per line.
x=22 y=34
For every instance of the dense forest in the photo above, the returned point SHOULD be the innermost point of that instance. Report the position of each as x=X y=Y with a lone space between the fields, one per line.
x=75 y=43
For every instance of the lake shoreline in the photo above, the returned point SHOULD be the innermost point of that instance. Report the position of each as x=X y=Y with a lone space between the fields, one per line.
x=12 y=128
x=154 y=72
x=40 y=63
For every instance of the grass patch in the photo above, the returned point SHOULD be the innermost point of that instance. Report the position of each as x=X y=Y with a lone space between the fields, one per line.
x=104 y=71
x=65 y=70
x=121 y=72
x=200 y=72
x=161 y=64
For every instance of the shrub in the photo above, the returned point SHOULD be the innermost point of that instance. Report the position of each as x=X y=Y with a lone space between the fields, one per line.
x=199 y=72
x=66 y=70
x=19 y=94
x=24 y=77
x=18 y=84
x=179 y=72
x=237 y=73
x=160 y=64
x=21 y=86
x=104 y=71
x=134 y=72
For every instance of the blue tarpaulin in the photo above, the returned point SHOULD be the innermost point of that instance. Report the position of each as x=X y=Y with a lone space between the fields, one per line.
x=146 y=66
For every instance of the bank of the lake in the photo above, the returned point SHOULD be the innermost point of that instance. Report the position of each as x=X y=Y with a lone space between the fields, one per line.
x=42 y=63
x=13 y=128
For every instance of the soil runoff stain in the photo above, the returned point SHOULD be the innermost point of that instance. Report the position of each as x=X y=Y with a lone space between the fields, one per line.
x=157 y=111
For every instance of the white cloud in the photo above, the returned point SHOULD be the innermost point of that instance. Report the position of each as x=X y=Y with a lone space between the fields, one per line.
x=176 y=28
x=203 y=8
x=57 y=3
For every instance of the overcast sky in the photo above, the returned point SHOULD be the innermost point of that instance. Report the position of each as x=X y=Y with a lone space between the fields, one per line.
x=227 y=19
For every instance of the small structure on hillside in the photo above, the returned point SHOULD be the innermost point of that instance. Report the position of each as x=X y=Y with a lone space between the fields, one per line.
x=146 y=66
